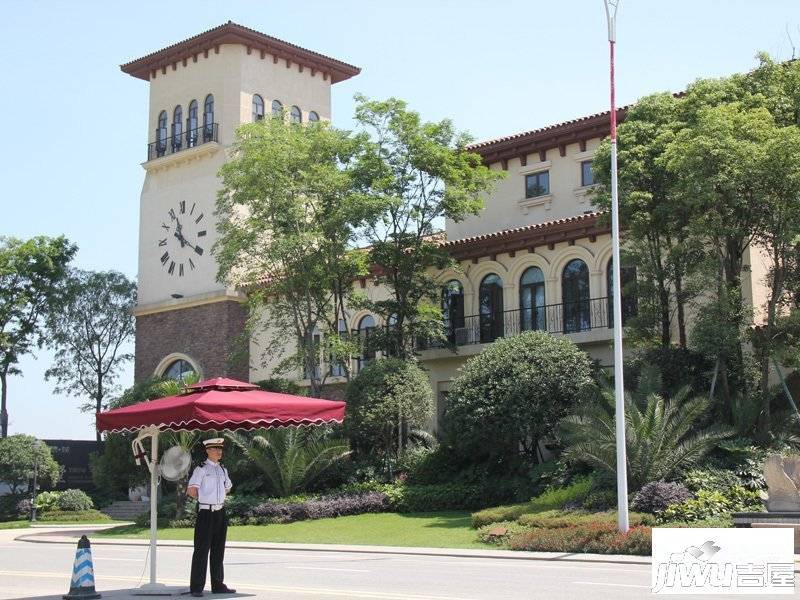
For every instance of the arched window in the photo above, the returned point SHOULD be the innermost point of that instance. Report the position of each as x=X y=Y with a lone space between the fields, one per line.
x=575 y=295
x=295 y=115
x=208 y=118
x=179 y=370
x=365 y=327
x=277 y=109
x=313 y=117
x=490 y=297
x=531 y=300
x=453 y=312
x=161 y=133
x=629 y=300
x=337 y=364
x=258 y=108
x=191 y=125
x=177 y=128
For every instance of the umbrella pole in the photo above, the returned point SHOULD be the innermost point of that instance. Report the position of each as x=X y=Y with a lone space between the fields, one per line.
x=153 y=507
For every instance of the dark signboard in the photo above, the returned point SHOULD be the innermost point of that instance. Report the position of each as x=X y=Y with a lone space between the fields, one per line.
x=73 y=456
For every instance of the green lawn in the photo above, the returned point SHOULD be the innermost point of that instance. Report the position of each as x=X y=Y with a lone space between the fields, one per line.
x=14 y=524
x=433 y=530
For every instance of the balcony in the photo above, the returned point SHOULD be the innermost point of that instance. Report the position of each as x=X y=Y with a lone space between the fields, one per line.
x=558 y=319
x=166 y=146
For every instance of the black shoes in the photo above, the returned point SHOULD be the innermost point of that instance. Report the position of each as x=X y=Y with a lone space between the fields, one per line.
x=197 y=594
x=223 y=590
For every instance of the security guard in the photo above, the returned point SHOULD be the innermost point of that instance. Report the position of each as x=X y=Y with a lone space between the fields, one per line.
x=209 y=484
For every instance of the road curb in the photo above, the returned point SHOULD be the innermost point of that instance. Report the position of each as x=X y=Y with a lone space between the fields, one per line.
x=385 y=550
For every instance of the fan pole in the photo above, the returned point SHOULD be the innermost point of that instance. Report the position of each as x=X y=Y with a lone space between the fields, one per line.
x=153 y=507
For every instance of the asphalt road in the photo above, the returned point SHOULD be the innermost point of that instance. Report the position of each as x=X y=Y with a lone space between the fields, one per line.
x=37 y=571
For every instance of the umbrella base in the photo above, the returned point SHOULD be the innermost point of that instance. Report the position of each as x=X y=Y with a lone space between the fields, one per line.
x=160 y=589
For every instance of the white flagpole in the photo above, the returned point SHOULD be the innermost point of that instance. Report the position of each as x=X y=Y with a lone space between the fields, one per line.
x=619 y=390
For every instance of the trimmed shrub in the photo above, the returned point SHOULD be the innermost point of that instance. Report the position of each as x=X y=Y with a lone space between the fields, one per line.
x=47 y=501
x=553 y=498
x=512 y=395
x=656 y=496
x=74 y=500
x=602 y=538
x=708 y=504
x=377 y=394
x=321 y=508
x=24 y=507
x=712 y=479
x=556 y=519
x=498 y=514
x=75 y=516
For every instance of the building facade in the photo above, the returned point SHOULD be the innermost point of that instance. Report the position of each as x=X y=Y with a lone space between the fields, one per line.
x=537 y=257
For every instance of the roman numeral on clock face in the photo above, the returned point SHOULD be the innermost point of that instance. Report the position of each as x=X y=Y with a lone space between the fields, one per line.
x=191 y=264
x=164 y=258
x=199 y=218
x=171 y=269
x=182 y=206
x=180 y=270
x=162 y=242
x=172 y=214
x=201 y=233
x=191 y=212
x=199 y=250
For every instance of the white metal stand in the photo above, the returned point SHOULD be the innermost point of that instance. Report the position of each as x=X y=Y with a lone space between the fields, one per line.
x=152 y=588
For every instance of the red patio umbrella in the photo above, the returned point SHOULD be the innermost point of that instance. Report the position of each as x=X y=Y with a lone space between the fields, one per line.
x=221 y=403
x=214 y=404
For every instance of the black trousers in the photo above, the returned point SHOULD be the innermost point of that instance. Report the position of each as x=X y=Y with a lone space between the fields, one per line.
x=210 y=531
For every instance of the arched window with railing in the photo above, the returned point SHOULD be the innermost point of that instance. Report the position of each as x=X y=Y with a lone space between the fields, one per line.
x=161 y=133
x=630 y=305
x=177 y=128
x=277 y=109
x=179 y=370
x=313 y=117
x=531 y=300
x=490 y=299
x=208 y=118
x=365 y=327
x=453 y=311
x=575 y=296
x=258 y=108
x=191 y=125
x=295 y=115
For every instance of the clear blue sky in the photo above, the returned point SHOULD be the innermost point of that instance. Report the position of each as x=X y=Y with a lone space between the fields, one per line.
x=75 y=127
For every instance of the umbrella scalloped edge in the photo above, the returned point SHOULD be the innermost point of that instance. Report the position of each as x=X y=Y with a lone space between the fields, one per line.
x=219 y=426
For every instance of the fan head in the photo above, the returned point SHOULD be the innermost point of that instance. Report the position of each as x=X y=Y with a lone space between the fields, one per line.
x=175 y=463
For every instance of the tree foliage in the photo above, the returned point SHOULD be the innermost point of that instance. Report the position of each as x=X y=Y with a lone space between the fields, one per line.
x=510 y=398
x=19 y=454
x=31 y=273
x=288 y=218
x=419 y=173
x=386 y=396
x=89 y=334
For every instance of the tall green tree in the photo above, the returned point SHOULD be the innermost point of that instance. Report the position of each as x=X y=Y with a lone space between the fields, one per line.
x=89 y=335
x=656 y=217
x=19 y=455
x=420 y=173
x=31 y=274
x=288 y=220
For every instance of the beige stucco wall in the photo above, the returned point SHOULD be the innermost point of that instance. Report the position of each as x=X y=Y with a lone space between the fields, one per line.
x=190 y=175
x=507 y=208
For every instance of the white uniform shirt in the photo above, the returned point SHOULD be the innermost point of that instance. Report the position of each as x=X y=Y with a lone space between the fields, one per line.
x=212 y=482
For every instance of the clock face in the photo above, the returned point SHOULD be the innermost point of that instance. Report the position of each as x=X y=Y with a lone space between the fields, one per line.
x=184 y=234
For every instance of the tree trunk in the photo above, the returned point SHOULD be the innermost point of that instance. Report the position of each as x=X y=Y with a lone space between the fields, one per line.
x=3 y=411
x=663 y=298
x=99 y=403
x=680 y=302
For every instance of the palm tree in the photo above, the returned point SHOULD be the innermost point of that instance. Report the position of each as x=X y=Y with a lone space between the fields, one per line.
x=662 y=436
x=291 y=457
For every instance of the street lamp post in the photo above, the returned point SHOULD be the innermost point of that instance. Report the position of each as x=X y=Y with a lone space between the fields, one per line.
x=619 y=390
x=35 y=472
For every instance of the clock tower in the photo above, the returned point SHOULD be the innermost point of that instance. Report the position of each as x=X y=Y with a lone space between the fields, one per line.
x=201 y=90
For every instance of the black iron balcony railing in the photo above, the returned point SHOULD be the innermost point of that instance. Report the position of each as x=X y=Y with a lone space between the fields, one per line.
x=563 y=318
x=182 y=141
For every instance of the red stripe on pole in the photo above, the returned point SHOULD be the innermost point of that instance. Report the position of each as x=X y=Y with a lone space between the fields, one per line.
x=613 y=100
